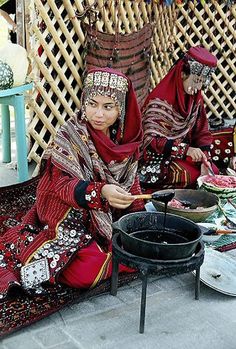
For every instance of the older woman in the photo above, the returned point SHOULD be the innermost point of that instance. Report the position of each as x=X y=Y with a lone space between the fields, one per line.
x=88 y=182
x=176 y=134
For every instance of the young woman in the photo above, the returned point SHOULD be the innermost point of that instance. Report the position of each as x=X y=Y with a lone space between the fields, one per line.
x=176 y=134
x=88 y=182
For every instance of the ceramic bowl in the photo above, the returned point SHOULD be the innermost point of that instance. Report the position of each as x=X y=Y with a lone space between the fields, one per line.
x=205 y=203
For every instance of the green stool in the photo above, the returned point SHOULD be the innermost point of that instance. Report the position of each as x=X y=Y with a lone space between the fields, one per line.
x=15 y=97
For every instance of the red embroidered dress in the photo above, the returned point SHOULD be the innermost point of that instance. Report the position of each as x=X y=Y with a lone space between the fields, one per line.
x=66 y=236
x=172 y=122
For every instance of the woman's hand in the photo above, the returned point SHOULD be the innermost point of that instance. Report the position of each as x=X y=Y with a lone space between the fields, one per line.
x=116 y=196
x=196 y=154
x=232 y=163
x=204 y=170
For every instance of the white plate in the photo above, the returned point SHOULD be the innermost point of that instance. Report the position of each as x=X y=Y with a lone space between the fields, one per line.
x=149 y=207
x=218 y=271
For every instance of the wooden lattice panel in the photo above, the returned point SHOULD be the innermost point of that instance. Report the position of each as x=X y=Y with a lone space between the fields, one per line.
x=56 y=43
x=213 y=26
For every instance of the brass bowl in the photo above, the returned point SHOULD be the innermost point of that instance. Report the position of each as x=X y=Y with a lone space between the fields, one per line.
x=198 y=198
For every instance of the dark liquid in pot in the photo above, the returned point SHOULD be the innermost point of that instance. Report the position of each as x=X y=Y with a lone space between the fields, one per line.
x=161 y=237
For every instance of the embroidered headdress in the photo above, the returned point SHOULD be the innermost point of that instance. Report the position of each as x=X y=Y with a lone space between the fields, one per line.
x=107 y=84
x=201 y=63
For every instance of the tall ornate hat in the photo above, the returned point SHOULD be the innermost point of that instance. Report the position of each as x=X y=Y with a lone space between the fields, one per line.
x=201 y=62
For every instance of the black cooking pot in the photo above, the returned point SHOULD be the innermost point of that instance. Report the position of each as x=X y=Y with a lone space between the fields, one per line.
x=142 y=234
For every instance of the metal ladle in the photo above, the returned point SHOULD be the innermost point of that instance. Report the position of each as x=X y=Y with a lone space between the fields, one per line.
x=162 y=197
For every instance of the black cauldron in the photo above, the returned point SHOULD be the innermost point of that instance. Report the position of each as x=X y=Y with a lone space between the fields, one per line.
x=143 y=234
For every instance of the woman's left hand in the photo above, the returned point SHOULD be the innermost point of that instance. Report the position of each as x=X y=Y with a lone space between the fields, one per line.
x=232 y=163
x=116 y=196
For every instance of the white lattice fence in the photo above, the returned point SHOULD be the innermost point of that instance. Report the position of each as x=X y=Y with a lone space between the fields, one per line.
x=56 y=45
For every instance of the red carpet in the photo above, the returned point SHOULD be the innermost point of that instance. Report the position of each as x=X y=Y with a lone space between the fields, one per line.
x=20 y=309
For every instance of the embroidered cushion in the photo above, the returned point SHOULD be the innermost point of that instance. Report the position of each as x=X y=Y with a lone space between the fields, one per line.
x=222 y=146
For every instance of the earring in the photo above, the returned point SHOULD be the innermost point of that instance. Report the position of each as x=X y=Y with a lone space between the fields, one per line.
x=83 y=114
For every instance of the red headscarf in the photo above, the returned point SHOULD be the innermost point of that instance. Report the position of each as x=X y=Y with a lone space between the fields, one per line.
x=132 y=135
x=169 y=111
x=171 y=90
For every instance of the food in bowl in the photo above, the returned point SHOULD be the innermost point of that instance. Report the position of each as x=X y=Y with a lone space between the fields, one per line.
x=220 y=181
x=184 y=204
x=196 y=205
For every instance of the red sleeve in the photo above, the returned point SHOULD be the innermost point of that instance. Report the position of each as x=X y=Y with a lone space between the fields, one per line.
x=158 y=144
x=65 y=186
x=201 y=135
x=56 y=184
x=169 y=148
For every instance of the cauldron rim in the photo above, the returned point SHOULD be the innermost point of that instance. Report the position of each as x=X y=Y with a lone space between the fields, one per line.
x=163 y=244
x=180 y=218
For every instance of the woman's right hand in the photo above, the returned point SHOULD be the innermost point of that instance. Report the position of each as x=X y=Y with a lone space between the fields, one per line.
x=196 y=154
x=232 y=163
x=116 y=196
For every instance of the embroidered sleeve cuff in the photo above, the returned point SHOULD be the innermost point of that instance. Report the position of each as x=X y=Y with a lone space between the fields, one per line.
x=179 y=150
x=79 y=193
x=94 y=198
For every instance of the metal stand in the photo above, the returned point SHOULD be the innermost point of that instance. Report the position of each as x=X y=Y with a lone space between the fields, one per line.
x=147 y=266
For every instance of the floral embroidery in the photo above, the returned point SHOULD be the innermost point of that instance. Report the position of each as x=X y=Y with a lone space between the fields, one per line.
x=94 y=198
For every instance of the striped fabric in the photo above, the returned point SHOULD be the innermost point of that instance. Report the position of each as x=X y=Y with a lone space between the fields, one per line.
x=128 y=53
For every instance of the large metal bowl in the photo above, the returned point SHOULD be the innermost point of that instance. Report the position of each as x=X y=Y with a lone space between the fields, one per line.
x=151 y=224
x=198 y=198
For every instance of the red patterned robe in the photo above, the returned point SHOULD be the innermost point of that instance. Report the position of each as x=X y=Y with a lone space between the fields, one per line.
x=66 y=236
x=55 y=230
x=173 y=121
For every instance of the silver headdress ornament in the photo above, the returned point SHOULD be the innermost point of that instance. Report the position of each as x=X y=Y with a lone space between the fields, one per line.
x=108 y=80
x=204 y=70
x=106 y=84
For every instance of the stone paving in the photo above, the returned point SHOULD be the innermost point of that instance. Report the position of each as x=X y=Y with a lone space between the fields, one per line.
x=174 y=320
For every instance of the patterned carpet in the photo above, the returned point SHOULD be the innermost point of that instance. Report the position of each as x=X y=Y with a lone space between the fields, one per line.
x=20 y=309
